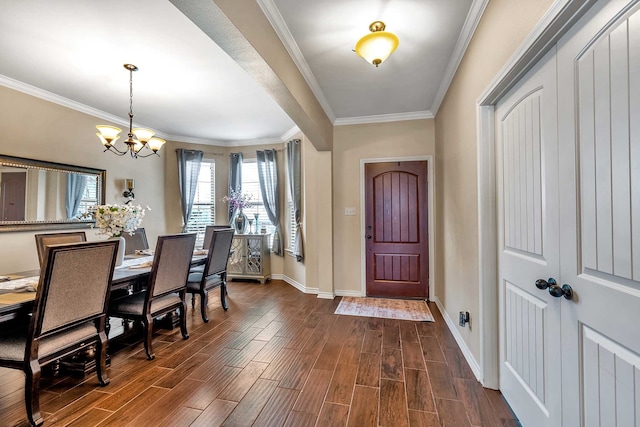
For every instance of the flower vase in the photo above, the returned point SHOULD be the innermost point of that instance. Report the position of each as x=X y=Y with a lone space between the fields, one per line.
x=240 y=222
x=121 y=247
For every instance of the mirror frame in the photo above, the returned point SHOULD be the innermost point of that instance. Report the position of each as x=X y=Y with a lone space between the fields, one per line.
x=57 y=167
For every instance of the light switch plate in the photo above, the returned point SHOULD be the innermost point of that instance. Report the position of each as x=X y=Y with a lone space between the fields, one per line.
x=349 y=211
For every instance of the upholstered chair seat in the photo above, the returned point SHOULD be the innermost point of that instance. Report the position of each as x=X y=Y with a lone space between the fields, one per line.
x=15 y=342
x=134 y=304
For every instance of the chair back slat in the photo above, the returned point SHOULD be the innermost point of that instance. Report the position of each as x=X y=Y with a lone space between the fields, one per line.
x=135 y=241
x=171 y=263
x=44 y=240
x=69 y=292
x=219 y=251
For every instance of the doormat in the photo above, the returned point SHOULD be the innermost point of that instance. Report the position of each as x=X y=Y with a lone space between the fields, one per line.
x=386 y=308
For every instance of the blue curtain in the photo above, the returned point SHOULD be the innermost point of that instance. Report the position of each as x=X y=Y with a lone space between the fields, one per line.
x=235 y=179
x=76 y=184
x=295 y=187
x=188 y=171
x=268 y=174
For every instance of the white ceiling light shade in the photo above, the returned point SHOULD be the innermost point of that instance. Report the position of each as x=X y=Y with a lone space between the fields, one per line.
x=376 y=47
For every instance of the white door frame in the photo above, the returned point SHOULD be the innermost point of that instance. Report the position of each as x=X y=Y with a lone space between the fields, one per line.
x=430 y=217
x=553 y=25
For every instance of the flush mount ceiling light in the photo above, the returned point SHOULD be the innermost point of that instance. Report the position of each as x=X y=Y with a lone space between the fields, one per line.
x=138 y=138
x=376 y=47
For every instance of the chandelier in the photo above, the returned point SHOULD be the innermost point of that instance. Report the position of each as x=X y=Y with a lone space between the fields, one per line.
x=138 y=138
x=376 y=46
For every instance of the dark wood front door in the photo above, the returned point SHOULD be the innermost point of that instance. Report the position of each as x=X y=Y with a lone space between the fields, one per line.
x=397 y=241
x=12 y=196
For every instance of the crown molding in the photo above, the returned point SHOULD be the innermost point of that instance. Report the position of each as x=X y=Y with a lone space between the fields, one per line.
x=277 y=22
x=68 y=103
x=94 y=112
x=288 y=135
x=468 y=28
x=382 y=118
x=60 y=100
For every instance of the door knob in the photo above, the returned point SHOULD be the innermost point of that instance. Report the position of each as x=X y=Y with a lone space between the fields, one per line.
x=368 y=236
x=555 y=290
x=561 y=291
x=544 y=284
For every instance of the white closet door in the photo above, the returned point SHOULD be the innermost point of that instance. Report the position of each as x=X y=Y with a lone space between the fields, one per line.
x=599 y=112
x=526 y=135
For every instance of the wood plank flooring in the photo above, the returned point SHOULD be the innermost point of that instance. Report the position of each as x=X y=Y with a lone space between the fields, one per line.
x=278 y=357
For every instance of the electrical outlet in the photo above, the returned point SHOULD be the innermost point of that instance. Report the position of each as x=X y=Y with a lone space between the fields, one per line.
x=350 y=211
x=464 y=318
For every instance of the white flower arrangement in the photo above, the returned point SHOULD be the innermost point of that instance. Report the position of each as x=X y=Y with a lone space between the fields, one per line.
x=113 y=220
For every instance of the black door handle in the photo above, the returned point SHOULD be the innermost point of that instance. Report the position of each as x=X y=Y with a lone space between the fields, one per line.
x=368 y=236
x=544 y=284
x=555 y=290
x=561 y=291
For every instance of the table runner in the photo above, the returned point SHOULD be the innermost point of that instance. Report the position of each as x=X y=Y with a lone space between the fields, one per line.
x=15 y=298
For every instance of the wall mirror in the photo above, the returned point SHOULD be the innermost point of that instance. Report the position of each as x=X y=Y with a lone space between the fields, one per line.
x=39 y=195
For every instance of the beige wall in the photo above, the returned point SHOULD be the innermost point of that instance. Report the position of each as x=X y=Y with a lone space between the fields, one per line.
x=503 y=27
x=351 y=144
x=38 y=129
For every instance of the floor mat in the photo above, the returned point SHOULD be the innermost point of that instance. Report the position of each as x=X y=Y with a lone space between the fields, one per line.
x=386 y=308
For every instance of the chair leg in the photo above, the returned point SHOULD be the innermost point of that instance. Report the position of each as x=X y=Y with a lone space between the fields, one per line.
x=32 y=393
x=193 y=301
x=223 y=296
x=101 y=359
x=183 y=320
x=148 y=333
x=204 y=302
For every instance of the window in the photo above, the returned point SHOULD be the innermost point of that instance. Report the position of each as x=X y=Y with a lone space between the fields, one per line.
x=291 y=220
x=251 y=185
x=203 y=212
x=89 y=196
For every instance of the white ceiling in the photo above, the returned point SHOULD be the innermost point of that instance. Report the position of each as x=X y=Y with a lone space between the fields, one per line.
x=325 y=33
x=72 y=51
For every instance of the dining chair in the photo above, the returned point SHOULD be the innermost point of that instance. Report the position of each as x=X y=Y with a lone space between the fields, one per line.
x=208 y=232
x=69 y=315
x=44 y=240
x=135 y=241
x=166 y=288
x=214 y=273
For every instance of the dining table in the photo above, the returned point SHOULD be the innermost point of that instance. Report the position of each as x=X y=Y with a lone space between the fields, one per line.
x=17 y=290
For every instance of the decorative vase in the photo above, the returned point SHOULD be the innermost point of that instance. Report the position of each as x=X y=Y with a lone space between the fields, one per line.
x=256 y=216
x=121 y=246
x=240 y=222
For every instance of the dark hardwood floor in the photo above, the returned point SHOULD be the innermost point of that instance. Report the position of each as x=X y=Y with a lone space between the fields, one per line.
x=278 y=357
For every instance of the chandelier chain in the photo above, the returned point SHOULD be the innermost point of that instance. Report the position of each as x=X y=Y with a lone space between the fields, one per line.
x=131 y=93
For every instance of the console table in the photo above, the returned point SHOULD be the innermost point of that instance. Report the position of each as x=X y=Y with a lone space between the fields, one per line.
x=251 y=257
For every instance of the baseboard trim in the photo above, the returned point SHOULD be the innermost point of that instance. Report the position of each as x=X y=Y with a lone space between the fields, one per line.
x=326 y=295
x=299 y=286
x=349 y=294
x=473 y=363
